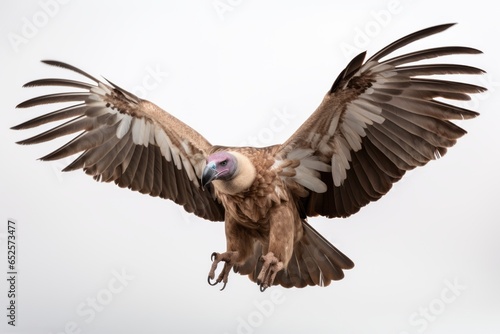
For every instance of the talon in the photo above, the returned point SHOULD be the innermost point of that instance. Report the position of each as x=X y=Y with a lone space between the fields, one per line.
x=215 y=282
x=228 y=258
x=270 y=268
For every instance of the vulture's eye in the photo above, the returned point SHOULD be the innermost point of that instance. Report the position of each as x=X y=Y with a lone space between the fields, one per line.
x=223 y=163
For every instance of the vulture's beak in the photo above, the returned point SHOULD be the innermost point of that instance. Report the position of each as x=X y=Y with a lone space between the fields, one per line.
x=209 y=174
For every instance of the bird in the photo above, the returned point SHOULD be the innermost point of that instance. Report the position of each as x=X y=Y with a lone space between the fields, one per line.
x=381 y=117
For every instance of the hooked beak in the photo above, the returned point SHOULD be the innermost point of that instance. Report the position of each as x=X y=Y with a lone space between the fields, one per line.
x=209 y=174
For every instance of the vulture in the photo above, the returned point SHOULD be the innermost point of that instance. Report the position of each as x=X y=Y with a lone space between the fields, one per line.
x=381 y=117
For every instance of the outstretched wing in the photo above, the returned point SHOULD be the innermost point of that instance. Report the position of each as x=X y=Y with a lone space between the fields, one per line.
x=127 y=140
x=379 y=120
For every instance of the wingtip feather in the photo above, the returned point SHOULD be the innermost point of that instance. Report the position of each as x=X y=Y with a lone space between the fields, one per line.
x=64 y=65
x=410 y=38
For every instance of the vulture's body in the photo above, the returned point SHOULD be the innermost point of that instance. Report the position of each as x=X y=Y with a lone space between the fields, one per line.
x=379 y=119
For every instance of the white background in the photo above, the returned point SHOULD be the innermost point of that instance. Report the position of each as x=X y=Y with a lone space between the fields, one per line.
x=228 y=74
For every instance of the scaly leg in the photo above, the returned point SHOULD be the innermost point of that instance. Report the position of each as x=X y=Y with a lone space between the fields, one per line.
x=283 y=226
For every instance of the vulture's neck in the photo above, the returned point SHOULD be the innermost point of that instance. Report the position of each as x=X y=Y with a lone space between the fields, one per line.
x=243 y=179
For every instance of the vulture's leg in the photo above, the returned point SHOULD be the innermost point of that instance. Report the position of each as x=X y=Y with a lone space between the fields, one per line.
x=239 y=248
x=284 y=224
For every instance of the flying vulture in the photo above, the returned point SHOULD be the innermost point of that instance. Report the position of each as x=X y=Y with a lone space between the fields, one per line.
x=381 y=117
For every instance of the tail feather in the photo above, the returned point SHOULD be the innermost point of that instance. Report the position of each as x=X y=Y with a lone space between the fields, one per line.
x=315 y=261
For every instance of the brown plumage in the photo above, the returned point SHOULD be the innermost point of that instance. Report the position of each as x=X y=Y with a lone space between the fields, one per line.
x=380 y=119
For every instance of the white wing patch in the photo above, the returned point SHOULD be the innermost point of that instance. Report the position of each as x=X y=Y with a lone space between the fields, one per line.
x=340 y=161
x=137 y=130
x=364 y=111
x=357 y=117
x=350 y=130
x=164 y=143
x=306 y=173
x=124 y=126
x=345 y=132
x=145 y=132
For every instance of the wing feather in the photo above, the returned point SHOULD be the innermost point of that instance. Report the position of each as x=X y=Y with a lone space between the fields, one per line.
x=157 y=186
x=125 y=140
x=380 y=119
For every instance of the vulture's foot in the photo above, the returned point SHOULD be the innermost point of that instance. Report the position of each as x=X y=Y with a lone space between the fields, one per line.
x=229 y=259
x=270 y=267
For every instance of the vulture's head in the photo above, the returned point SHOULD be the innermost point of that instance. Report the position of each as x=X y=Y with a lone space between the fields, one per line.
x=220 y=166
x=231 y=172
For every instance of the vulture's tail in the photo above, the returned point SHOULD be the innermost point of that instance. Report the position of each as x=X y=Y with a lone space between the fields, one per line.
x=315 y=261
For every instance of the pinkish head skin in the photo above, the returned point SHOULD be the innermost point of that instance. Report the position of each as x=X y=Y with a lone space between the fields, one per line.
x=220 y=166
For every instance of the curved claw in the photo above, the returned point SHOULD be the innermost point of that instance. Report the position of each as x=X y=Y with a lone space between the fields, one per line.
x=270 y=268
x=228 y=258
x=215 y=282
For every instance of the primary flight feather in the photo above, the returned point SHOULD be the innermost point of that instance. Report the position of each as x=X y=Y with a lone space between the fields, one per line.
x=381 y=118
